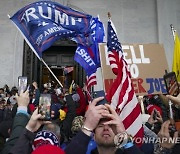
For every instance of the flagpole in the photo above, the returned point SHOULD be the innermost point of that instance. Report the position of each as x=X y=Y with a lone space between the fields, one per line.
x=36 y=53
x=173 y=31
x=109 y=15
x=140 y=98
x=51 y=72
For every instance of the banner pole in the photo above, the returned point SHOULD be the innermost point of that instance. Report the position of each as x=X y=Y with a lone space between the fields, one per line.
x=37 y=54
x=140 y=98
x=173 y=31
x=52 y=72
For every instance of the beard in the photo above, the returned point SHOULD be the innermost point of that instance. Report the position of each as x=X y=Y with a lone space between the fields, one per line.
x=105 y=142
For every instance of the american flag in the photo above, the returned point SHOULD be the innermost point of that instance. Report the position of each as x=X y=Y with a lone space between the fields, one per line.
x=121 y=94
x=114 y=48
x=68 y=69
x=91 y=80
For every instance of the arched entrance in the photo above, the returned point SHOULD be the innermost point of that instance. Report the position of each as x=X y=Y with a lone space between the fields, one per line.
x=59 y=56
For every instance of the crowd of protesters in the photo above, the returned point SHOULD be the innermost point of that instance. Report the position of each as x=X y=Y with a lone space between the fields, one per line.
x=78 y=126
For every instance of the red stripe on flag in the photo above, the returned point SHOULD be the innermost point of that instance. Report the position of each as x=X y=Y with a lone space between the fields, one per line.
x=114 y=88
x=121 y=94
x=114 y=60
x=91 y=80
x=138 y=138
x=131 y=117
x=123 y=91
x=90 y=52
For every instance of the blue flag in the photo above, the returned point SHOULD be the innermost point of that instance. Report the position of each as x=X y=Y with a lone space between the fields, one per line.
x=88 y=55
x=84 y=59
x=44 y=22
x=91 y=40
x=98 y=36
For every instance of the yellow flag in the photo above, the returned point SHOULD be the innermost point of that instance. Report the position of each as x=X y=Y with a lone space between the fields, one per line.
x=71 y=87
x=176 y=57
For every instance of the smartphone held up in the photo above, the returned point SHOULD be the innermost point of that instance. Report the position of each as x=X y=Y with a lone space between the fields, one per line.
x=44 y=107
x=97 y=94
x=22 y=84
x=155 y=114
x=171 y=83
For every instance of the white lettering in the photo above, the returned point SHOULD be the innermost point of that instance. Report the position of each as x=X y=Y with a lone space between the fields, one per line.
x=23 y=17
x=92 y=63
x=164 y=139
x=151 y=139
x=155 y=140
x=73 y=21
x=80 y=52
x=158 y=140
x=46 y=33
x=51 y=30
x=125 y=54
x=134 y=59
x=146 y=140
x=39 y=39
x=30 y=12
x=138 y=140
x=144 y=60
x=133 y=70
x=177 y=140
x=49 y=12
x=84 y=55
x=61 y=17
x=171 y=140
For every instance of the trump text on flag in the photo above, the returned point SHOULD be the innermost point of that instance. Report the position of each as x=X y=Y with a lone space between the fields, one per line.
x=44 y=22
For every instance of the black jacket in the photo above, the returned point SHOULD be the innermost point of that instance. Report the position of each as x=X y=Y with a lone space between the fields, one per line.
x=19 y=123
x=81 y=140
x=66 y=124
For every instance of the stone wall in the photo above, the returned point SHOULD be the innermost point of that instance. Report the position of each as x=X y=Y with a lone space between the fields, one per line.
x=136 y=21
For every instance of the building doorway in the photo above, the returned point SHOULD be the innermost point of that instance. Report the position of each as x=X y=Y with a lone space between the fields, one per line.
x=59 y=56
x=60 y=72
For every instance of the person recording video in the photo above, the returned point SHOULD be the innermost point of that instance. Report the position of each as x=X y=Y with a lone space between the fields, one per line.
x=167 y=134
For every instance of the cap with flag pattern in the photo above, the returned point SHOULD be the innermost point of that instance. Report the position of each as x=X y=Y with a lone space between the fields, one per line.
x=45 y=137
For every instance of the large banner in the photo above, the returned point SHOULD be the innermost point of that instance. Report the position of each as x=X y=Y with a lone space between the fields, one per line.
x=44 y=22
x=147 y=64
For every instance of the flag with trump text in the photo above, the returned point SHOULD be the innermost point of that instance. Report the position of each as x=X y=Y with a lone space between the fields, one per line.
x=88 y=56
x=121 y=94
x=83 y=57
x=176 y=57
x=43 y=22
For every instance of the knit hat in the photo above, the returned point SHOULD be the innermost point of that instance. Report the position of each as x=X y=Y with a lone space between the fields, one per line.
x=48 y=149
x=76 y=97
x=45 y=137
x=151 y=107
x=77 y=124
